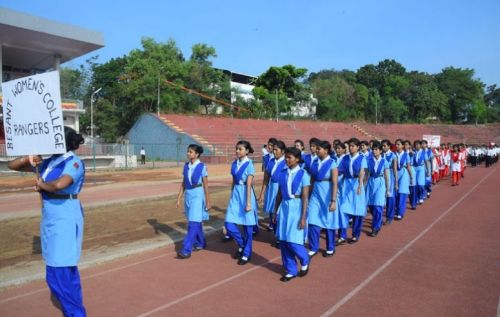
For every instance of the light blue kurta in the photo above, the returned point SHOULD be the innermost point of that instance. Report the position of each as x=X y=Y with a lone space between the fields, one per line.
x=319 y=213
x=289 y=215
x=61 y=228
x=351 y=203
x=194 y=201
x=403 y=176
x=236 y=212
x=376 y=188
x=271 y=192
x=390 y=157
x=419 y=166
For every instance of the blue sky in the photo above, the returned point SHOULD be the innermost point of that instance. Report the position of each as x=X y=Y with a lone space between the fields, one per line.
x=251 y=36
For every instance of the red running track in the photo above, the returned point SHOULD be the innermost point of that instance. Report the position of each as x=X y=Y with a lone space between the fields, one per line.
x=441 y=260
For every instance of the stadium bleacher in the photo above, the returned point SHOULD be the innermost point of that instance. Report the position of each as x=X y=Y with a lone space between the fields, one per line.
x=221 y=132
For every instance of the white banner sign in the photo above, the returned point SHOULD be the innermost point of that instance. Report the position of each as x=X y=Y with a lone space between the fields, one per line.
x=432 y=140
x=32 y=115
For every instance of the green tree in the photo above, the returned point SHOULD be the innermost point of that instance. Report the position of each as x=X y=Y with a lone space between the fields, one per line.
x=461 y=89
x=492 y=100
x=284 y=81
x=73 y=83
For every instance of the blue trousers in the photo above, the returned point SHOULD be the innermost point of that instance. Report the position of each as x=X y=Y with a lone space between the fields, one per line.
x=377 y=217
x=401 y=204
x=422 y=193
x=289 y=251
x=428 y=185
x=390 y=207
x=244 y=241
x=413 y=196
x=64 y=283
x=313 y=237
x=357 y=225
x=194 y=237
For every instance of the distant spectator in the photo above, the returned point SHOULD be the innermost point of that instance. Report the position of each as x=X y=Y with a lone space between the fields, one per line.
x=143 y=156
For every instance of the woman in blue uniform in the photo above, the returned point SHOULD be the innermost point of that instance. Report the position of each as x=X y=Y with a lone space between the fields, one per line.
x=340 y=151
x=419 y=177
x=242 y=206
x=353 y=199
x=390 y=157
x=311 y=157
x=270 y=186
x=323 y=212
x=61 y=229
x=196 y=200
x=377 y=188
x=291 y=211
x=404 y=179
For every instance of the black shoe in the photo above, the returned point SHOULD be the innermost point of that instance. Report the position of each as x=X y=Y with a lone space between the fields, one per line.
x=353 y=240
x=225 y=239
x=303 y=273
x=198 y=248
x=340 y=241
x=374 y=233
x=285 y=278
x=311 y=255
x=243 y=262
x=328 y=255
x=181 y=255
x=276 y=245
x=238 y=254
x=398 y=218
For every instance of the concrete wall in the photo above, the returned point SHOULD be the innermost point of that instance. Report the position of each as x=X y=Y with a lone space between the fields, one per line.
x=159 y=140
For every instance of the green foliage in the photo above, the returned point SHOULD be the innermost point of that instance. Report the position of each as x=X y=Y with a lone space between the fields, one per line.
x=282 y=83
x=461 y=89
x=131 y=85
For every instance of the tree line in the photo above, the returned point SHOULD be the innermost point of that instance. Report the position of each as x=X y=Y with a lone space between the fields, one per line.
x=386 y=92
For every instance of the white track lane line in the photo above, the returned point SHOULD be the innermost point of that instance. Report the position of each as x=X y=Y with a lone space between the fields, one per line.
x=362 y=285
x=209 y=287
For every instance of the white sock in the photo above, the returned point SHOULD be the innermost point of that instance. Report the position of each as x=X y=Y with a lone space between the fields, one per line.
x=304 y=267
x=244 y=258
x=329 y=252
x=311 y=253
x=289 y=275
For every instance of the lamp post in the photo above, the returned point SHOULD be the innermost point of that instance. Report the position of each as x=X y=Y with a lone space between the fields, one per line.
x=277 y=111
x=92 y=125
x=158 y=103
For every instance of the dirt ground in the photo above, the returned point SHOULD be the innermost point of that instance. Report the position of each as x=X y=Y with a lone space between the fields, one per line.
x=113 y=224
x=20 y=182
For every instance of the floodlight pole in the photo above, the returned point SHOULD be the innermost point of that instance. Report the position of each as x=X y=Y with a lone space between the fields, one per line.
x=92 y=126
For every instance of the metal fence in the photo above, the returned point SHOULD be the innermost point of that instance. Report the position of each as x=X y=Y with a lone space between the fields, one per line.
x=157 y=155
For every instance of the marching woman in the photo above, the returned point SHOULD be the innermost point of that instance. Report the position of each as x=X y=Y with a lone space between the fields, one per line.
x=353 y=199
x=413 y=188
x=378 y=189
x=242 y=206
x=61 y=228
x=429 y=158
x=456 y=165
x=436 y=165
x=340 y=151
x=419 y=166
x=269 y=155
x=323 y=212
x=194 y=187
x=390 y=157
x=291 y=210
x=270 y=186
x=404 y=179
x=311 y=157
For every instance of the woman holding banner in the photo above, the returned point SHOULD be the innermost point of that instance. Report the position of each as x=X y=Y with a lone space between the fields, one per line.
x=61 y=229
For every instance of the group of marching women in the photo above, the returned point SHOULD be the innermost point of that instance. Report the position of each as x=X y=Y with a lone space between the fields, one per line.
x=330 y=189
